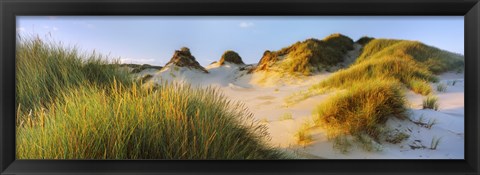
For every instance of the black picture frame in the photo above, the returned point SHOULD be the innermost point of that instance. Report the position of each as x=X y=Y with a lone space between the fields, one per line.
x=470 y=9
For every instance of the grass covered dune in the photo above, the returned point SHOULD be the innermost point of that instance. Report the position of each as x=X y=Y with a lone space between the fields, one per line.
x=72 y=106
x=372 y=89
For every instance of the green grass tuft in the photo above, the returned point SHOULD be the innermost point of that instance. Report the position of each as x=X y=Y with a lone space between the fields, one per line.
x=441 y=87
x=419 y=86
x=362 y=109
x=303 y=135
x=430 y=102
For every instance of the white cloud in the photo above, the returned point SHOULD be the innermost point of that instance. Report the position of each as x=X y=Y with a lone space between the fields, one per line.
x=246 y=24
x=20 y=29
x=55 y=28
x=137 y=61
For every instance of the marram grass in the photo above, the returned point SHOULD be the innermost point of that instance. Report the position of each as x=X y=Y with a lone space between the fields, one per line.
x=430 y=102
x=45 y=70
x=407 y=71
x=307 y=57
x=73 y=106
x=436 y=60
x=362 y=109
x=172 y=122
x=371 y=90
x=412 y=63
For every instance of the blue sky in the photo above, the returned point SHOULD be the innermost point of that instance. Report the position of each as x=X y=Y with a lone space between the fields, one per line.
x=153 y=39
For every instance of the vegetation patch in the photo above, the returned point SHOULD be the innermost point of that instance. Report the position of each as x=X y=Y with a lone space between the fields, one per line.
x=362 y=109
x=371 y=90
x=231 y=57
x=441 y=87
x=406 y=71
x=364 y=40
x=306 y=57
x=434 y=59
x=303 y=136
x=410 y=62
x=430 y=102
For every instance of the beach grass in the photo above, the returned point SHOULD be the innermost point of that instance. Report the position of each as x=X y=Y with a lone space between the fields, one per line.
x=307 y=57
x=76 y=106
x=406 y=71
x=362 y=109
x=44 y=70
x=412 y=63
x=434 y=59
x=430 y=102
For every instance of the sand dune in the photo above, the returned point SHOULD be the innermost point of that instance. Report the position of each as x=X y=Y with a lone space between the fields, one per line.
x=267 y=105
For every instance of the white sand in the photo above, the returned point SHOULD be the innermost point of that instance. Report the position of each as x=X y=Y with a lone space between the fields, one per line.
x=266 y=103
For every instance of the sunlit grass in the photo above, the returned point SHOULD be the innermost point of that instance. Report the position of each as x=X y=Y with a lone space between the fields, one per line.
x=362 y=109
x=410 y=62
x=406 y=71
x=307 y=57
x=434 y=59
x=172 y=122
x=45 y=70
x=303 y=135
x=72 y=106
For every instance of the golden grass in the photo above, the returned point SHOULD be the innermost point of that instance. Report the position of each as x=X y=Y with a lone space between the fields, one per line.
x=407 y=71
x=362 y=108
x=371 y=90
x=306 y=57
x=434 y=59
